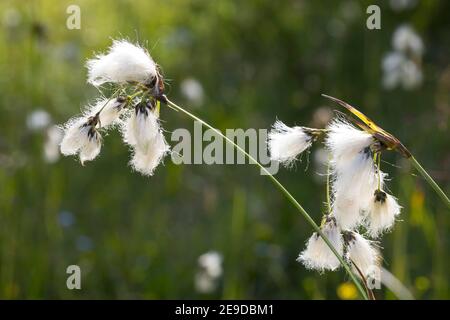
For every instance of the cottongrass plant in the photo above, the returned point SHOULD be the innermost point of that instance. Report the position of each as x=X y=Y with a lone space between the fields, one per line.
x=359 y=209
x=209 y=272
x=134 y=108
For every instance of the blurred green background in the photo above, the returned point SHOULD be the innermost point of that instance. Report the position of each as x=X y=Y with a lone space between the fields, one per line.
x=237 y=64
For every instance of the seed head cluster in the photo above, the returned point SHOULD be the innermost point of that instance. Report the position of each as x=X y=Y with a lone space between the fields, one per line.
x=133 y=108
x=360 y=210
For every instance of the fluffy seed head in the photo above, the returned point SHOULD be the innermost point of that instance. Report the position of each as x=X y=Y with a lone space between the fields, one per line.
x=345 y=142
x=141 y=128
x=124 y=62
x=146 y=161
x=108 y=110
x=317 y=254
x=286 y=143
x=353 y=186
x=362 y=252
x=382 y=213
x=81 y=137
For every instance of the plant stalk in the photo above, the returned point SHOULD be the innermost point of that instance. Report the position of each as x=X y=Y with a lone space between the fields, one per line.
x=430 y=181
x=282 y=189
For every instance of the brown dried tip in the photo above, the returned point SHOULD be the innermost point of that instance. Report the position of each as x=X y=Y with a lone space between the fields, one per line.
x=384 y=137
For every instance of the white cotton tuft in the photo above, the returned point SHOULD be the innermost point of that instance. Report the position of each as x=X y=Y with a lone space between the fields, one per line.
x=81 y=137
x=317 y=254
x=382 y=213
x=345 y=142
x=75 y=135
x=363 y=253
x=286 y=143
x=110 y=110
x=141 y=128
x=124 y=62
x=91 y=149
x=146 y=161
x=354 y=173
x=353 y=187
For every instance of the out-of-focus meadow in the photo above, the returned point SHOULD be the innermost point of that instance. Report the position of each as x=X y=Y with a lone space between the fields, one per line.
x=238 y=64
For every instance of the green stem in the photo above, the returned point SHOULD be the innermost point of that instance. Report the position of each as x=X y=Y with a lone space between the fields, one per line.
x=328 y=184
x=283 y=190
x=379 y=171
x=430 y=181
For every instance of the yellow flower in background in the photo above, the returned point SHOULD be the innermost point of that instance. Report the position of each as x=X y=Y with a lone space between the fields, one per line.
x=347 y=291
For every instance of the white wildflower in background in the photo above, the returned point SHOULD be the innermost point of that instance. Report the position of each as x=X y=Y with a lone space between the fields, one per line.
x=124 y=62
x=38 y=120
x=192 y=90
x=393 y=71
x=412 y=75
x=286 y=143
x=406 y=40
x=361 y=252
x=382 y=213
x=211 y=263
x=402 y=67
x=54 y=136
x=398 y=70
x=317 y=254
x=210 y=270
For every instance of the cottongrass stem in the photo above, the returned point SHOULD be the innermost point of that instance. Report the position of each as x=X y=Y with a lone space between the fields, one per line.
x=430 y=181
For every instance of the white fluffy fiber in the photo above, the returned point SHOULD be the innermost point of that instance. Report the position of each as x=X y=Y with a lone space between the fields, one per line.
x=363 y=253
x=353 y=187
x=91 y=149
x=381 y=215
x=345 y=142
x=354 y=174
x=286 y=143
x=141 y=128
x=79 y=137
x=111 y=109
x=143 y=133
x=146 y=162
x=317 y=254
x=124 y=62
